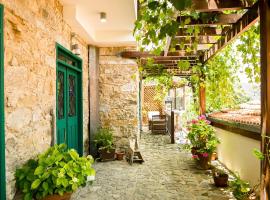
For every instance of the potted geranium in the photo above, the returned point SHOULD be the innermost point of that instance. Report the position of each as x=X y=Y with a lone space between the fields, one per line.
x=104 y=143
x=203 y=141
x=55 y=174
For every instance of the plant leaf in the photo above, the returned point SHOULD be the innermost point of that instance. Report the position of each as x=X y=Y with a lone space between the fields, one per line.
x=35 y=184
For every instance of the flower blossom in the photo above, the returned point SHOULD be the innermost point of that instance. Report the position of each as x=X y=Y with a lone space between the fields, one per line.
x=195 y=156
x=205 y=155
x=194 y=121
x=202 y=117
x=208 y=122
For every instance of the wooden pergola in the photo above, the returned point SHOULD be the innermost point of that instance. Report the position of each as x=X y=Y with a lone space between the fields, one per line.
x=212 y=39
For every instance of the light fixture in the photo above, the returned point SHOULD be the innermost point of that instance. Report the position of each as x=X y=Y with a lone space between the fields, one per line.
x=76 y=49
x=74 y=44
x=103 y=17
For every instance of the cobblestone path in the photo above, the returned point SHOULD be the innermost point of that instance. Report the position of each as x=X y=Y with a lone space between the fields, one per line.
x=166 y=174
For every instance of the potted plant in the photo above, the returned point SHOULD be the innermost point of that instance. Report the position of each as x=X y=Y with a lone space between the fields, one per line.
x=104 y=143
x=240 y=189
x=55 y=174
x=203 y=141
x=220 y=178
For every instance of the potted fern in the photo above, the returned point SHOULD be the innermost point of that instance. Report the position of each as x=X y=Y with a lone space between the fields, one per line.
x=104 y=143
x=55 y=174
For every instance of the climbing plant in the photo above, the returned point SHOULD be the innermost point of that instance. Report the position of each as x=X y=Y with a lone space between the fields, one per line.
x=157 y=21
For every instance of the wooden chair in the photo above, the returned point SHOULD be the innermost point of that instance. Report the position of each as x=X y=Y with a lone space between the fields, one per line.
x=158 y=124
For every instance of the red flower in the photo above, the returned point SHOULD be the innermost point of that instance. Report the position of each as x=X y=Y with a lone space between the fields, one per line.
x=205 y=155
x=194 y=121
x=195 y=156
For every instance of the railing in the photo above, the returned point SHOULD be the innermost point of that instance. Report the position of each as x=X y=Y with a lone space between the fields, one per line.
x=170 y=124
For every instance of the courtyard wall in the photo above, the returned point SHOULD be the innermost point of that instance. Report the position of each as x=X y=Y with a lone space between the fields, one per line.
x=31 y=30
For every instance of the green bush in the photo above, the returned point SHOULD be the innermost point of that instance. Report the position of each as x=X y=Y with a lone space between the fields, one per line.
x=104 y=139
x=56 y=171
x=240 y=189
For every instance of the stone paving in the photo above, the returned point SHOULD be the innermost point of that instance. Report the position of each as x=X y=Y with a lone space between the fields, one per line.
x=166 y=174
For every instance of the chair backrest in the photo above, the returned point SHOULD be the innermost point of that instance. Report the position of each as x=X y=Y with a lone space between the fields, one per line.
x=151 y=113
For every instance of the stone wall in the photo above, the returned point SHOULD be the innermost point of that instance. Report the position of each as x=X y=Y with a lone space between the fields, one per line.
x=118 y=94
x=32 y=28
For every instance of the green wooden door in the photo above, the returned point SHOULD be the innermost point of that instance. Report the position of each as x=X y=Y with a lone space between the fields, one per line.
x=69 y=102
x=67 y=107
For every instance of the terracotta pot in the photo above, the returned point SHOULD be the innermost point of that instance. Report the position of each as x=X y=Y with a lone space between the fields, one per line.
x=106 y=155
x=204 y=162
x=214 y=156
x=221 y=180
x=120 y=155
x=66 y=196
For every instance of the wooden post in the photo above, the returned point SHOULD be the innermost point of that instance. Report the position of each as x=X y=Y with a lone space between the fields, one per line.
x=265 y=94
x=172 y=127
x=202 y=99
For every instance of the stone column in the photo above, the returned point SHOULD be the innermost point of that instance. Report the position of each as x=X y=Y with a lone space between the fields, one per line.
x=94 y=95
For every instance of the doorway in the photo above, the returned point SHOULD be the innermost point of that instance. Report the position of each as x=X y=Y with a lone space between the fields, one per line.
x=69 y=120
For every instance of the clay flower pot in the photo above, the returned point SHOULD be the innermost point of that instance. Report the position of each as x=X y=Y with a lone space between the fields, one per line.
x=221 y=180
x=214 y=156
x=120 y=155
x=66 y=196
x=204 y=160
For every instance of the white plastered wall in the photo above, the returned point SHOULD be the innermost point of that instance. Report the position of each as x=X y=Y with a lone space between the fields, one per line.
x=235 y=151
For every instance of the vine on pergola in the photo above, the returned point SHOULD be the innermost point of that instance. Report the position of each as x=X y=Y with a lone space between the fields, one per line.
x=157 y=21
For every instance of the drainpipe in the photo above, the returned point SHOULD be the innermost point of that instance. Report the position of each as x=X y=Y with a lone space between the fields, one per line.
x=89 y=99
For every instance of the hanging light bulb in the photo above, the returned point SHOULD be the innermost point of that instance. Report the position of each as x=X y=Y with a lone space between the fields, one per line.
x=103 y=17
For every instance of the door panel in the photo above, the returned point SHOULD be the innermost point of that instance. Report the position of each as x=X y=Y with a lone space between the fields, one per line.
x=61 y=104
x=72 y=102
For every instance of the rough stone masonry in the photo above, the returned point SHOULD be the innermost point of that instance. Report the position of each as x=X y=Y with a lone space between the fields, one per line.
x=32 y=28
x=118 y=95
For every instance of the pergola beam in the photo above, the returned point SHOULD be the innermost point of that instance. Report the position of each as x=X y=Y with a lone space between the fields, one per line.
x=139 y=54
x=204 y=31
x=199 y=39
x=220 y=5
x=172 y=58
x=221 y=19
x=248 y=19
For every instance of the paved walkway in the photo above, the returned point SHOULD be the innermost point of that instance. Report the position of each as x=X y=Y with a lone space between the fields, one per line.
x=167 y=174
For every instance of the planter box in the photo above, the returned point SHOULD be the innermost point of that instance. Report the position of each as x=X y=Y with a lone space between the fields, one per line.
x=107 y=155
x=66 y=196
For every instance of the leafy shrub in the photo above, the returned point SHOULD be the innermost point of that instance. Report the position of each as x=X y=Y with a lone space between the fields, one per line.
x=56 y=171
x=104 y=138
x=240 y=188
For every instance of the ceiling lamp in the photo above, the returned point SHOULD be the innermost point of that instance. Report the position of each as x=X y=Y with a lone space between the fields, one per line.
x=103 y=17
